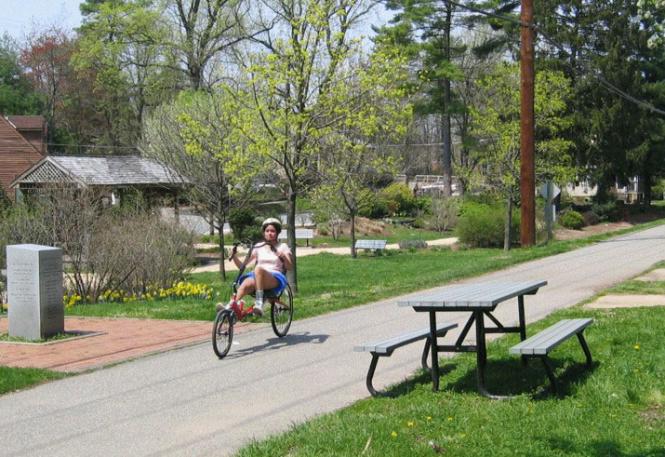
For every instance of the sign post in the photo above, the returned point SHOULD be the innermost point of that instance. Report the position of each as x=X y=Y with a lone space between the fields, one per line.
x=549 y=192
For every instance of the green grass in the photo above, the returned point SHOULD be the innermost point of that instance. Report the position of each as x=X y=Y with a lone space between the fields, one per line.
x=328 y=282
x=394 y=234
x=615 y=409
x=639 y=287
x=12 y=379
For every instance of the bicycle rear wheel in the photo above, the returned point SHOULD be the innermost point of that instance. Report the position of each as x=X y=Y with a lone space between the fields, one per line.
x=222 y=332
x=281 y=313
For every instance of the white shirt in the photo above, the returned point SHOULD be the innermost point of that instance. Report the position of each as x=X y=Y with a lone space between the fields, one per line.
x=268 y=259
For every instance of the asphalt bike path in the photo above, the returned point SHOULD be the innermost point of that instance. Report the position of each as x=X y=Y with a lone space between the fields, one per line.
x=187 y=402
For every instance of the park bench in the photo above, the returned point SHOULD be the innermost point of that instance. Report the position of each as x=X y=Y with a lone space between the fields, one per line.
x=540 y=344
x=374 y=245
x=386 y=348
x=301 y=234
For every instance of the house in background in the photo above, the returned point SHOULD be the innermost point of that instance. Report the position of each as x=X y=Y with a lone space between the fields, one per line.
x=110 y=176
x=22 y=144
x=33 y=129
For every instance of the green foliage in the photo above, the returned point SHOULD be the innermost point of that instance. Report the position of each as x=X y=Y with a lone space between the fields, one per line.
x=398 y=199
x=609 y=211
x=376 y=208
x=16 y=93
x=482 y=225
x=497 y=128
x=659 y=190
x=244 y=223
x=572 y=220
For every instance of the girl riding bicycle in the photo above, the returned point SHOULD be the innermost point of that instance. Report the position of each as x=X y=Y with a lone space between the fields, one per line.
x=272 y=260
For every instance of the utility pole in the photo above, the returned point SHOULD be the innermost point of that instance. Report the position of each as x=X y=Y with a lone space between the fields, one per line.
x=527 y=127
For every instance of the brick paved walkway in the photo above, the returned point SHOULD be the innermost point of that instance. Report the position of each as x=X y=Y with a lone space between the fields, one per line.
x=105 y=341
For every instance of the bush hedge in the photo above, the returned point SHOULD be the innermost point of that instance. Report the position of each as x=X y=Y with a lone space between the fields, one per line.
x=572 y=220
x=482 y=224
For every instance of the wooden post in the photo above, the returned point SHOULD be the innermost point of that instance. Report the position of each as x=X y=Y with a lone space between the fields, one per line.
x=527 y=128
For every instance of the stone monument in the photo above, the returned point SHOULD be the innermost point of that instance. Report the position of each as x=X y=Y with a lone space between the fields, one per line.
x=34 y=291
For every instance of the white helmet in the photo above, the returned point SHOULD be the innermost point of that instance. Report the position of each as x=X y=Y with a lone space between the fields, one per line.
x=274 y=222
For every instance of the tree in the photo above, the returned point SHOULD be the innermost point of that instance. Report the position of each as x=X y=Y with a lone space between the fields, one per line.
x=612 y=54
x=47 y=57
x=376 y=112
x=116 y=47
x=302 y=55
x=496 y=124
x=16 y=94
x=201 y=30
x=193 y=136
x=425 y=30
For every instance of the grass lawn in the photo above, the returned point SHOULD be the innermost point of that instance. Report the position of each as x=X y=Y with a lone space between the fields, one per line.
x=640 y=287
x=395 y=234
x=12 y=379
x=328 y=282
x=615 y=409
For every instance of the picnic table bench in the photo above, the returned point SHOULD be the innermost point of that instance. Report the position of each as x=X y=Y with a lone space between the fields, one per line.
x=480 y=300
x=375 y=245
x=540 y=344
x=301 y=234
x=386 y=348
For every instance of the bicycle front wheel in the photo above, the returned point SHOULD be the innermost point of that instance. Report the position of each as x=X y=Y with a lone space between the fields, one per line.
x=281 y=313
x=222 y=332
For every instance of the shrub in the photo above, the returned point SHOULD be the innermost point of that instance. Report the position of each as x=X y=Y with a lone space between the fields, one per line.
x=590 y=218
x=412 y=244
x=445 y=213
x=482 y=225
x=243 y=223
x=609 y=211
x=572 y=220
x=20 y=224
x=399 y=199
x=120 y=249
x=658 y=190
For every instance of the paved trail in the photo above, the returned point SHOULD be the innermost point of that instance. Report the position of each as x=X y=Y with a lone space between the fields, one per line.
x=186 y=402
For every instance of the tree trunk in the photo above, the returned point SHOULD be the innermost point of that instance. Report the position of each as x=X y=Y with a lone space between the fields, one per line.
x=506 y=228
x=353 y=236
x=292 y=274
x=221 y=218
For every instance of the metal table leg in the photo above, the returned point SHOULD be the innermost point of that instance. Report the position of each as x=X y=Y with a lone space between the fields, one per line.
x=481 y=352
x=520 y=309
x=434 y=350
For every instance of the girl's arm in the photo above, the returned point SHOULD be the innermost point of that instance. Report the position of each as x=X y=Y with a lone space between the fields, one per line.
x=285 y=257
x=238 y=262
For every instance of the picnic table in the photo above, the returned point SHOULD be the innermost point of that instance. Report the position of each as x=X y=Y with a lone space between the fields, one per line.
x=480 y=299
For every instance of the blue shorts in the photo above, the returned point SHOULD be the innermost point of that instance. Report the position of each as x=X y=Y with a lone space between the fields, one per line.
x=281 y=282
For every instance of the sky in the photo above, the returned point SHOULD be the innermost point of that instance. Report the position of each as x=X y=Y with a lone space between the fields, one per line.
x=20 y=17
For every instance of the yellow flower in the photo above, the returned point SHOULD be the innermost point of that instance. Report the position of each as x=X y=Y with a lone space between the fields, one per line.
x=636 y=347
x=450 y=418
x=410 y=424
x=429 y=418
x=393 y=434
